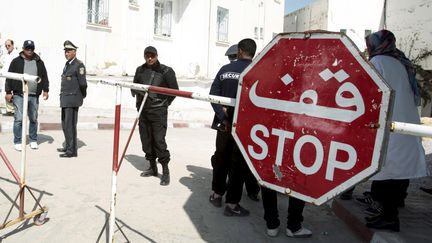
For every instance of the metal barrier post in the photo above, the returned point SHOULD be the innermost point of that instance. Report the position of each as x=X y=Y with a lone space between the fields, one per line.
x=115 y=163
x=38 y=215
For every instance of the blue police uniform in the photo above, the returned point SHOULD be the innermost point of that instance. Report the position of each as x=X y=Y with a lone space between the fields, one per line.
x=227 y=159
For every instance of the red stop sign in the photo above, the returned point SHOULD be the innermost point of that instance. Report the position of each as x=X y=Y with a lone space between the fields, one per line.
x=310 y=116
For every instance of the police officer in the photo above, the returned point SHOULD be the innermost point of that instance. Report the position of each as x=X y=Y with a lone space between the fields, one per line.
x=153 y=119
x=224 y=145
x=72 y=92
x=231 y=53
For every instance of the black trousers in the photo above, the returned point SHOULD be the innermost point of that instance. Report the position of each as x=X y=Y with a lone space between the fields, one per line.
x=239 y=172
x=69 y=116
x=390 y=193
x=153 y=129
x=221 y=162
x=271 y=214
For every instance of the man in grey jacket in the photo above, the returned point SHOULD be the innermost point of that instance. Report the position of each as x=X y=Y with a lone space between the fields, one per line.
x=72 y=93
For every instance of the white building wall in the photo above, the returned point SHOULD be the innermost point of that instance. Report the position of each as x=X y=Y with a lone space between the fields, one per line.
x=311 y=17
x=355 y=17
x=334 y=15
x=192 y=49
x=411 y=22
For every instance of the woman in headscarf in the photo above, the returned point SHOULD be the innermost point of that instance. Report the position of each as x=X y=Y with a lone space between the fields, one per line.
x=405 y=154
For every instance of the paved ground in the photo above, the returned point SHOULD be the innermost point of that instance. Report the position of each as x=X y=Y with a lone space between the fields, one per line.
x=415 y=218
x=77 y=192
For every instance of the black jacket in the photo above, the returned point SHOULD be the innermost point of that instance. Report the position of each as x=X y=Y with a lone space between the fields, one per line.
x=17 y=66
x=156 y=75
x=73 y=84
x=225 y=84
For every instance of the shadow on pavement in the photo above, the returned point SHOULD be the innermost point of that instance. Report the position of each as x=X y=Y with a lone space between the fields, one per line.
x=42 y=138
x=208 y=220
x=119 y=225
x=139 y=162
x=25 y=224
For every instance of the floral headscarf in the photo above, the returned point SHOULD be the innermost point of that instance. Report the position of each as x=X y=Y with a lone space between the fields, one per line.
x=383 y=42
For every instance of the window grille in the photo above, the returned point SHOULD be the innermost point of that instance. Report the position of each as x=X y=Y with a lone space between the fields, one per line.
x=98 y=12
x=163 y=17
x=222 y=24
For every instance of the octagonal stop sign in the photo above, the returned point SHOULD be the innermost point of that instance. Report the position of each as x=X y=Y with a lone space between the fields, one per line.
x=311 y=116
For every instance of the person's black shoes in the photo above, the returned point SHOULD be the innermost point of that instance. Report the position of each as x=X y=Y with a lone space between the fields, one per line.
x=427 y=190
x=68 y=155
x=165 y=179
x=370 y=219
x=61 y=150
x=151 y=170
x=383 y=224
x=216 y=201
x=236 y=211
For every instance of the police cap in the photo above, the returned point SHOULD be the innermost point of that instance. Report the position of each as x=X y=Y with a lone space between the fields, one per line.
x=68 y=45
x=232 y=50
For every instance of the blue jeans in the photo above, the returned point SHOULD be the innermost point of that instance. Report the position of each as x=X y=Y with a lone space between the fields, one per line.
x=33 y=105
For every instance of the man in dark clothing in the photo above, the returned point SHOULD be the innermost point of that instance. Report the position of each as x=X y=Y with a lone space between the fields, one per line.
x=153 y=118
x=227 y=158
x=30 y=63
x=72 y=93
x=220 y=160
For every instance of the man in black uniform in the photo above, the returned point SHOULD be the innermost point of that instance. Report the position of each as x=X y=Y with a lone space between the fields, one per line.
x=224 y=145
x=227 y=158
x=72 y=92
x=153 y=119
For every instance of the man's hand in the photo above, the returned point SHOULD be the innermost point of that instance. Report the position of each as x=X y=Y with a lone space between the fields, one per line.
x=8 y=98
x=225 y=111
x=45 y=95
x=227 y=125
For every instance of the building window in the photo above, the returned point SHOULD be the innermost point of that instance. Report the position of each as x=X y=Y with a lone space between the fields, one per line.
x=162 y=17
x=98 y=12
x=133 y=2
x=222 y=24
x=261 y=33
x=256 y=33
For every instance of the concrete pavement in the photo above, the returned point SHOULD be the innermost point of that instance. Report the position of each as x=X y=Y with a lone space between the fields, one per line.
x=77 y=192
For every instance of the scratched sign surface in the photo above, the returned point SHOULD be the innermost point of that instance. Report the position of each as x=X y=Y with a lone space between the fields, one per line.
x=307 y=113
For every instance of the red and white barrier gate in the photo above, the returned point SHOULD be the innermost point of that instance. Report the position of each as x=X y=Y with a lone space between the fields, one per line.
x=38 y=215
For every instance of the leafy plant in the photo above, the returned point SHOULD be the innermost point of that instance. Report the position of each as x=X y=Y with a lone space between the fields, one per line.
x=424 y=77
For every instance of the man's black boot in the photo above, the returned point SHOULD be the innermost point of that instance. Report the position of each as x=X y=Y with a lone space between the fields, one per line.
x=165 y=180
x=151 y=170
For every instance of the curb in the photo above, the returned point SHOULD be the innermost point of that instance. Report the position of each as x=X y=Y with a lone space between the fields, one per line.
x=86 y=126
x=341 y=210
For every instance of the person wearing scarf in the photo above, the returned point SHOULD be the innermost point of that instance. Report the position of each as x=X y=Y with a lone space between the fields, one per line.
x=405 y=154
